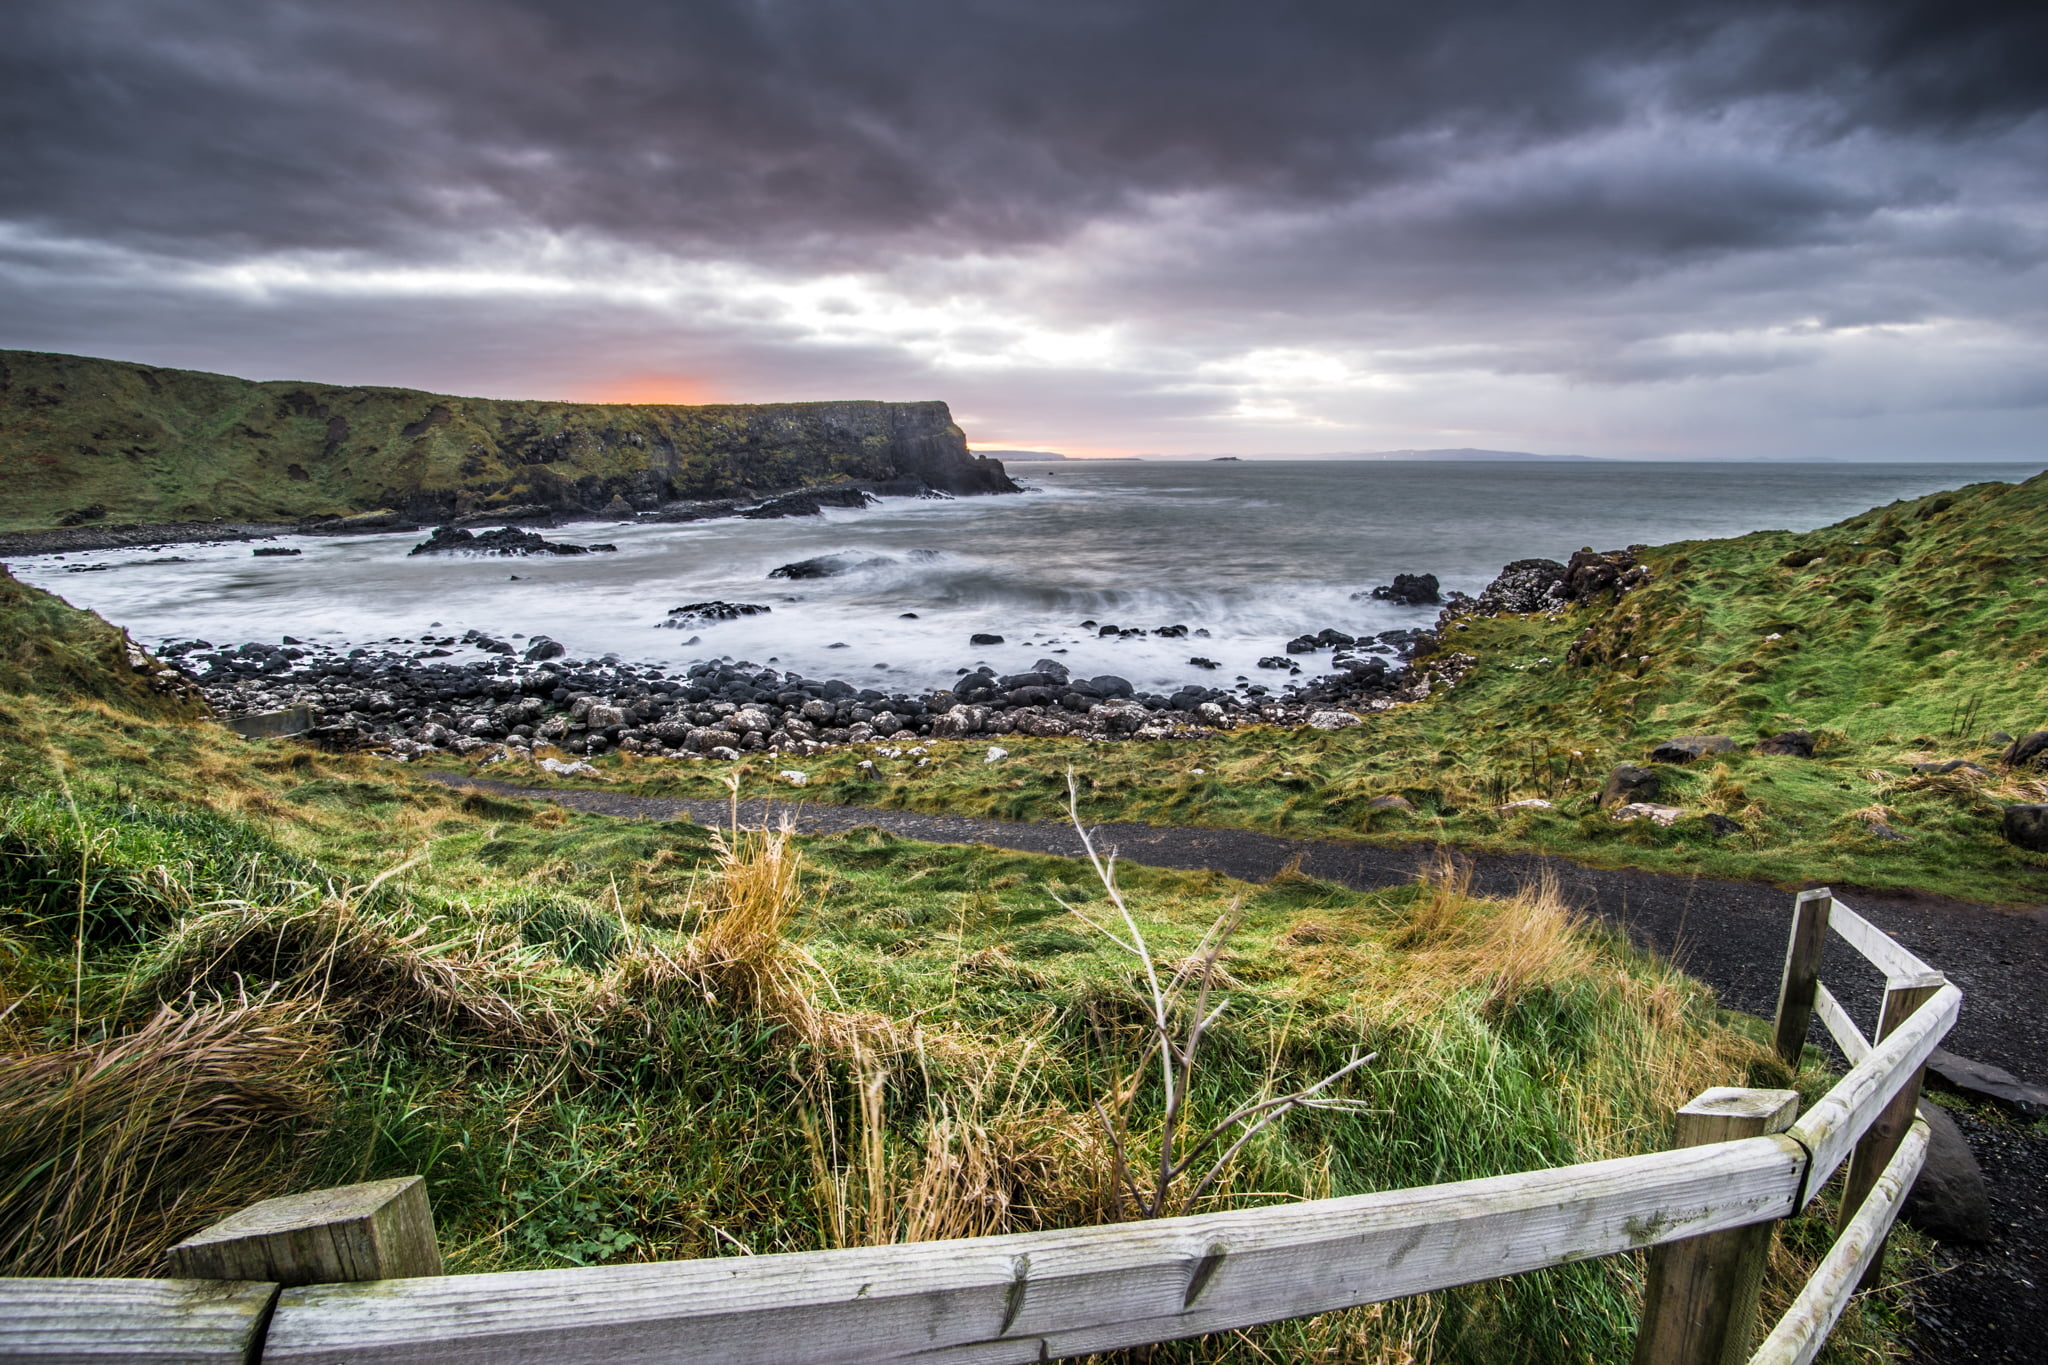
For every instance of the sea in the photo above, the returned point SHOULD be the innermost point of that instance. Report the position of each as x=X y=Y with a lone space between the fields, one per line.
x=1244 y=554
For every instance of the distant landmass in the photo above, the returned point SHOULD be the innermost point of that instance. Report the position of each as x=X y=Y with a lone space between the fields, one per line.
x=1021 y=454
x=89 y=440
x=1438 y=456
x=1465 y=453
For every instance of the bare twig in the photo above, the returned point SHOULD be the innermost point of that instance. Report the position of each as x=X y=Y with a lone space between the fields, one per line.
x=1178 y=1055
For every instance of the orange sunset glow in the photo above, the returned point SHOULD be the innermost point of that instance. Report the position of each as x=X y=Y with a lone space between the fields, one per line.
x=649 y=388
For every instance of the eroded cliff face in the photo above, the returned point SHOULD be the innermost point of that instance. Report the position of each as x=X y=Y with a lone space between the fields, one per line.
x=140 y=443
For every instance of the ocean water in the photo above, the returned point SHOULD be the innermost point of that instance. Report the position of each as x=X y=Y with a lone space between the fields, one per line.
x=1254 y=553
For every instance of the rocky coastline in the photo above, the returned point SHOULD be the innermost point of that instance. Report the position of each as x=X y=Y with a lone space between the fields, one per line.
x=410 y=698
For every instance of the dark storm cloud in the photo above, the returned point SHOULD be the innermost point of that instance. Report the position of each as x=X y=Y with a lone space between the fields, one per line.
x=840 y=128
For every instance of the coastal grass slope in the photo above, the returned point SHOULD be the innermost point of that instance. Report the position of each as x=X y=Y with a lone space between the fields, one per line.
x=105 y=440
x=1907 y=636
x=231 y=970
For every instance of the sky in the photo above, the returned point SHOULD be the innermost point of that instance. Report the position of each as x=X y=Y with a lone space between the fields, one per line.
x=1094 y=226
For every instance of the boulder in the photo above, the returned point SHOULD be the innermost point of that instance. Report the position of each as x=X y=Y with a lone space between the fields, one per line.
x=693 y=614
x=541 y=647
x=984 y=638
x=825 y=566
x=1333 y=720
x=1400 y=803
x=1948 y=1201
x=1592 y=572
x=1410 y=590
x=1648 y=810
x=1686 y=748
x=1627 y=784
x=274 y=551
x=2028 y=750
x=2026 y=827
x=1981 y=1080
x=1953 y=765
x=958 y=723
x=1525 y=585
x=1795 y=743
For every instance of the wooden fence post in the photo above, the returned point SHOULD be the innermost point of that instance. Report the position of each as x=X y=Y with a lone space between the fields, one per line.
x=1902 y=996
x=1699 y=1304
x=383 y=1230
x=1802 y=972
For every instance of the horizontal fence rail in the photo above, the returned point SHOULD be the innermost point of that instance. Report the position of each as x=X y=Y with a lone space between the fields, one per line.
x=1706 y=1207
x=1033 y=1296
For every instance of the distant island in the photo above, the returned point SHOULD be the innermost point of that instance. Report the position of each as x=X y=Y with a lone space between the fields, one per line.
x=1226 y=459
x=1021 y=454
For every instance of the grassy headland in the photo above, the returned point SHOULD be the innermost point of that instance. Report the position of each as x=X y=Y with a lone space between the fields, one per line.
x=118 y=442
x=229 y=970
x=1906 y=635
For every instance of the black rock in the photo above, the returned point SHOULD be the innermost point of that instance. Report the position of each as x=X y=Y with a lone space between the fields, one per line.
x=1199 y=662
x=826 y=566
x=1279 y=661
x=1795 y=743
x=1721 y=824
x=274 y=551
x=1686 y=748
x=1302 y=644
x=983 y=638
x=2028 y=750
x=1410 y=590
x=541 y=647
x=1111 y=687
x=807 y=504
x=1947 y=1201
x=506 y=540
x=1171 y=632
x=1628 y=784
x=2026 y=827
x=695 y=614
x=1592 y=572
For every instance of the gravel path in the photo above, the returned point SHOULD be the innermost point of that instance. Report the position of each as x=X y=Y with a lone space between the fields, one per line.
x=1991 y=1304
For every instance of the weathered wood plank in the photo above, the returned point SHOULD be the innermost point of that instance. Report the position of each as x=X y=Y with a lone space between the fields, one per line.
x=1880 y=949
x=1838 y=1119
x=1800 y=1334
x=1803 y=949
x=1881 y=1140
x=379 y=1230
x=1039 y=1295
x=163 y=1322
x=1840 y=1026
x=1699 y=1304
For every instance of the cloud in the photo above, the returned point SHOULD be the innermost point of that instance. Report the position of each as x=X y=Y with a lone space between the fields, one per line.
x=1125 y=223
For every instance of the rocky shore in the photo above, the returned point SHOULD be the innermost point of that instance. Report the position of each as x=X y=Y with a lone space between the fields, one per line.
x=415 y=696
x=475 y=694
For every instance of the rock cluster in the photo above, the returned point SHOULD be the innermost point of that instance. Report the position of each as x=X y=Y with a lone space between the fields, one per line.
x=419 y=698
x=506 y=540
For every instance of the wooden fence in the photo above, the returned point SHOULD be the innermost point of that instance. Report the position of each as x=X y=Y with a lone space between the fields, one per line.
x=352 y=1275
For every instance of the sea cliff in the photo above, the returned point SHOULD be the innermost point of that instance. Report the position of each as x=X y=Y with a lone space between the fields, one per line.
x=89 y=441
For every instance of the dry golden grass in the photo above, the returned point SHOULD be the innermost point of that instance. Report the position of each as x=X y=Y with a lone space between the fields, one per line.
x=114 y=1150
x=470 y=978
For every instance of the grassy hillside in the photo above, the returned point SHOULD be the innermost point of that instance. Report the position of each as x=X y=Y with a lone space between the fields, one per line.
x=156 y=445
x=1906 y=635
x=232 y=970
